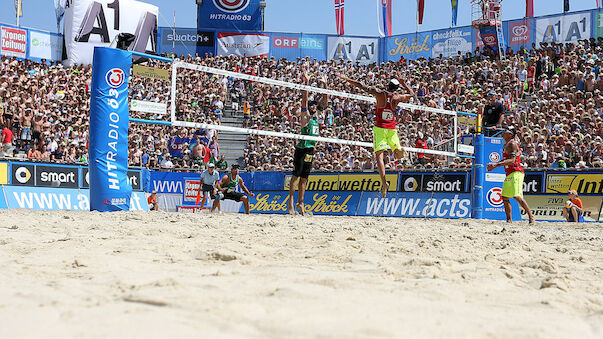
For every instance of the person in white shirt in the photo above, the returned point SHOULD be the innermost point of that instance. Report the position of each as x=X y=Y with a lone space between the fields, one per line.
x=166 y=163
x=209 y=178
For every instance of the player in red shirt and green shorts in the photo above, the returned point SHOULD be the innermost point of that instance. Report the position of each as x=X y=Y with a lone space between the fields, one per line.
x=385 y=134
x=513 y=184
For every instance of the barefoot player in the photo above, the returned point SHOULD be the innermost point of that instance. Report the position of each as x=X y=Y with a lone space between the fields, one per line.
x=385 y=134
x=304 y=150
x=513 y=184
x=229 y=183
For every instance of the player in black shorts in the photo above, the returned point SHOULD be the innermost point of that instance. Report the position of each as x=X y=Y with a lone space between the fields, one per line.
x=304 y=150
x=229 y=183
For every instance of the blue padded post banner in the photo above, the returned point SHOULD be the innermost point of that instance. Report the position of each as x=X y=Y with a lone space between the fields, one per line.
x=109 y=114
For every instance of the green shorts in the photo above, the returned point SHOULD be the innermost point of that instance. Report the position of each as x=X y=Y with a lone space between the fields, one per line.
x=513 y=185
x=385 y=139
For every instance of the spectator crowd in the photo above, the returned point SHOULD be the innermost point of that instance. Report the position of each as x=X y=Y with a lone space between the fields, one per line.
x=550 y=93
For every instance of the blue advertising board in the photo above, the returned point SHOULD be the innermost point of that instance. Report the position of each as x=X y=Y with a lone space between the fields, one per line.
x=450 y=42
x=238 y=15
x=3 y=204
x=185 y=41
x=416 y=205
x=519 y=33
x=44 y=198
x=409 y=46
x=318 y=203
x=293 y=45
x=109 y=119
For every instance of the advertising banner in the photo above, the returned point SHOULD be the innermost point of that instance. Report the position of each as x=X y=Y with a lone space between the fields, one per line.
x=169 y=182
x=362 y=50
x=441 y=182
x=57 y=176
x=533 y=183
x=550 y=207
x=23 y=175
x=14 y=42
x=449 y=43
x=3 y=204
x=3 y=173
x=177 y=145
x=191 y=191
x=563 y=28
x=157 y=108
x=520 y=33
x=293 y=46
x=409 y=46
x=242 y=44
x=92 y=23
x=416 y=205
x=134 y=178
x=598 y=15
x=318 y=203
x=109 y=119
x=45 y=46
x=184 y=41
x=40 y=198
x=151 y=72
x=346 y=182
x=240 y=15
x=586 y=183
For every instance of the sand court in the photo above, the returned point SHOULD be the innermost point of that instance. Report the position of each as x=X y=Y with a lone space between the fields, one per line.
x=157 y=275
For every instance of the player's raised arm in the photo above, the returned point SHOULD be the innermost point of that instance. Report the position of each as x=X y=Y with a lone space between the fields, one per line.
x=305 y=115
x=322 y=102
x=358 y=84
x=404 y=97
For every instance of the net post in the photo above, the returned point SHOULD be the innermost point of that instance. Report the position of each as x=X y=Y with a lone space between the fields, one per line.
x=477 y=174
x=455 y=134
x=173 y=94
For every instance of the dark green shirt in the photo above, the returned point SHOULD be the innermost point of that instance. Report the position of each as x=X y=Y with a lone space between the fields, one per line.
x=311 y=129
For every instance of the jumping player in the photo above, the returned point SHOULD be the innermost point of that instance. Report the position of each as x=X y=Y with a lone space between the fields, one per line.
x=385 y=134
x=304 y=150
x=513 y=184
x=228 y=184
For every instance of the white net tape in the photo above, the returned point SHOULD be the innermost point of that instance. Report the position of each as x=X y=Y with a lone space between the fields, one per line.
x=216 y=71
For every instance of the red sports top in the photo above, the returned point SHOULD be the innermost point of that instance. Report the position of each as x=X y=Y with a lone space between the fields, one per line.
x=385 y=117
x=515 y=166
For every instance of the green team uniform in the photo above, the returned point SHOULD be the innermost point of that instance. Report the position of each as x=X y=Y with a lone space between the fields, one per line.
x=304 y=150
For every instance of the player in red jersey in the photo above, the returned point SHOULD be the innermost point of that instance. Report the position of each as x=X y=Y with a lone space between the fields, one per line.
x=513 y=185
x=385 y=134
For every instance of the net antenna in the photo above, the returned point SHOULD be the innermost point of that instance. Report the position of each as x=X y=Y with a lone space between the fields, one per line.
x=458 y=148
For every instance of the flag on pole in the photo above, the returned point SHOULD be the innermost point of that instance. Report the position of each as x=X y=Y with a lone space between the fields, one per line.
x=566 y=7
x=59 y=8
x=18 y=8
x=455 y=9
x=339 y=16
x=529 y=8
x=421 y=7
x=599 y=3
x=384 y=8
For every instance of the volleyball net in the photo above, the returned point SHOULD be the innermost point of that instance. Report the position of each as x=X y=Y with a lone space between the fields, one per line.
x=446 y=119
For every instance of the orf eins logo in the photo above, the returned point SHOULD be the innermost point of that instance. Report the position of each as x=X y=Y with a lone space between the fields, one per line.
x=231 y=6
x=494 y=157
x=115 y=77
x=494 y=197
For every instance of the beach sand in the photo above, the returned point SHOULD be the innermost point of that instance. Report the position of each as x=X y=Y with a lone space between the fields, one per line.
x=168 y=275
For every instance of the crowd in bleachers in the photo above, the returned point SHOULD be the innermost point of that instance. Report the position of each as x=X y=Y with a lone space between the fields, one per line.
x=551 y=94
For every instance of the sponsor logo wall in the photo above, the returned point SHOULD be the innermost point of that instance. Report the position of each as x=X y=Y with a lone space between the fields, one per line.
x=583 y=183
x=450 y=42
x=14 y=42
x=519 y=33
x=444 y=182
x=409 y=46
x=416 y=205
x=563 y=28
x=346 y=182
x=319 y=203
x=293 y=46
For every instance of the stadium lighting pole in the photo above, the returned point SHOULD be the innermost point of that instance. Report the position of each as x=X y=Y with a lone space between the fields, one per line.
x=263 y=8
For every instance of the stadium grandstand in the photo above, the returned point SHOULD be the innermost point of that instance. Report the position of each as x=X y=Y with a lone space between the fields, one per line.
x=551 y=94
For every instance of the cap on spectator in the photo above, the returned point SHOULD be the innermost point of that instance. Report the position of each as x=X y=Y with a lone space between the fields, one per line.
x=572 y=192
x=211 y=165
x=491 y=93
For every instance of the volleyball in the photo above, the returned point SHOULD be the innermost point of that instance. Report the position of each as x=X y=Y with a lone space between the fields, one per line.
x=569 y=204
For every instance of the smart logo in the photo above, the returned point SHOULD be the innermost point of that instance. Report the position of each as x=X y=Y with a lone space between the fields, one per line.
x=22 y=175
x=494 y=197
x=231 y=6
x=411 y=185
x=115 y=77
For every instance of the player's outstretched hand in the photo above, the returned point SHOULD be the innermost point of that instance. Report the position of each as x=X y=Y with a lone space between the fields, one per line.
x=251 y=195
x=490 y=167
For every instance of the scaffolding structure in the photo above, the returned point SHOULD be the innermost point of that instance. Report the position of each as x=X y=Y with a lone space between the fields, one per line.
x=487 y=13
